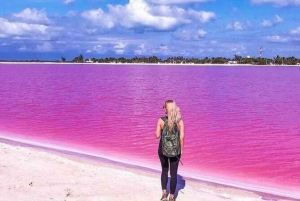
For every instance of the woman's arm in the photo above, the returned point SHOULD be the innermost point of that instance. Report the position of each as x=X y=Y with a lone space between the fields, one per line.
x=158 y=128
x=181 y=126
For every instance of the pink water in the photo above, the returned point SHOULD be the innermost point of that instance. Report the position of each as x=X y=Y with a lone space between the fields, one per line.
x=242 y=123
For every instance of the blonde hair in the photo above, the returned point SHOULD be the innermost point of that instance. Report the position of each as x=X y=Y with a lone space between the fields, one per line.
x=173 y=113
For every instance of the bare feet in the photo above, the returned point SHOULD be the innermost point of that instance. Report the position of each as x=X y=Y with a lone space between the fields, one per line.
x=164 y=196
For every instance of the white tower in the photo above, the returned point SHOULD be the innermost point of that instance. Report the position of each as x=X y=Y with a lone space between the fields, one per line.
x=260 y=51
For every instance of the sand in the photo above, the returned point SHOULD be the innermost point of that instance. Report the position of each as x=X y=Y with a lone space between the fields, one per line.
x=35 y=174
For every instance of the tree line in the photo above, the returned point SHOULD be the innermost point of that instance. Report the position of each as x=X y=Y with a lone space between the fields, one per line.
x=278 y=60
x=181 y=60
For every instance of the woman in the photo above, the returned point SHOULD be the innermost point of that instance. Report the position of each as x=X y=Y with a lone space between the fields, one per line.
x=173 y=117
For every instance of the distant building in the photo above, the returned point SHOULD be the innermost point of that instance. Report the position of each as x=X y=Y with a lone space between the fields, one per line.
x=232 y=62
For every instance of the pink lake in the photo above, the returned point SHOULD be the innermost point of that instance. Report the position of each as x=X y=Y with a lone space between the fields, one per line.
x=242 y=122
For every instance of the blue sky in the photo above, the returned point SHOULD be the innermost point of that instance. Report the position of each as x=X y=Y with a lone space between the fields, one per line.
x=51 y=29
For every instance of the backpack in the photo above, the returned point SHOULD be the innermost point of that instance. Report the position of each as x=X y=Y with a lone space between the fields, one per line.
x=170 y=140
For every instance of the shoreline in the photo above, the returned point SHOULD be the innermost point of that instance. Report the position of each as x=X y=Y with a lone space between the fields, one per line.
x=188 y=187
x=148 y=64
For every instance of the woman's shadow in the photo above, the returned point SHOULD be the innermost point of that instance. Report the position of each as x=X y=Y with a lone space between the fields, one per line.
x=180 y=184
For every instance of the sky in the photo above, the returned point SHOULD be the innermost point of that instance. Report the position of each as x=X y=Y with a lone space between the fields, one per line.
x=52 y=29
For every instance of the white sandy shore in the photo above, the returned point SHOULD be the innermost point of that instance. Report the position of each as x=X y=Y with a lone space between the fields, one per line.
x=146 y=64
x=35 y=174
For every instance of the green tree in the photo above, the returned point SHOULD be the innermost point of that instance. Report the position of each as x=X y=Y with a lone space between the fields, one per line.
x=237 y=58
x=78 y=59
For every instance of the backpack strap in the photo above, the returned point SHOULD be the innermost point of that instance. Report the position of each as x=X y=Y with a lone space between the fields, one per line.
x=164 y=118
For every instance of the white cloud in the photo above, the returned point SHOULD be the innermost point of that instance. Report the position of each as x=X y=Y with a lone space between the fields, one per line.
x=200 y=33
x=239 y=25
x=45 y=47
x=68 y=1
x=120 y=45
x=141 y=49
x=295 y=31
x=119 y=51
x=277 y=2
x=139 y=13
x=239 y=49
x=269 y=23
x=190 y=35
x=213 y=42
x=276 y=39
x=97 y=49
x=119 y=48
x=108 y=40
x=91 y=31
x=177 y=1
x=278 y=19
x=202 y=16
x=8 y=28
x=162 y=50
x=33 y=15
x=23 y=49
x=99 y=17
x=199 y=51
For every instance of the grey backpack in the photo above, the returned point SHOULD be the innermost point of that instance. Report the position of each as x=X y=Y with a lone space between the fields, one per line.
x=170 y=140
